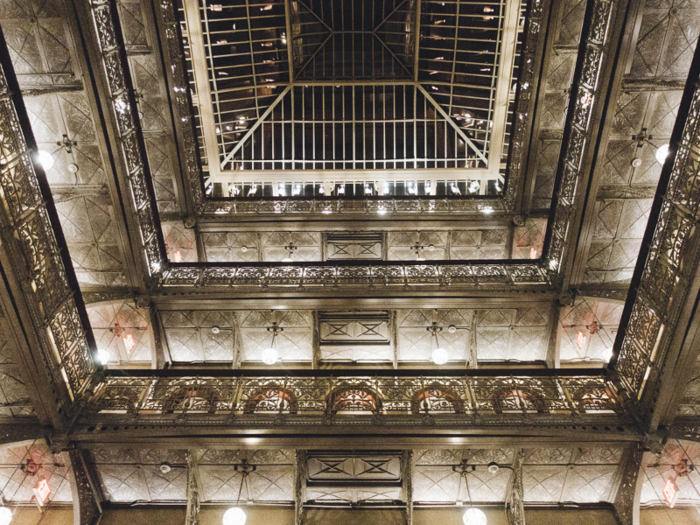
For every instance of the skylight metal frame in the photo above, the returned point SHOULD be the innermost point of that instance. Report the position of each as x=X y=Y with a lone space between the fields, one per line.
x=367 y=171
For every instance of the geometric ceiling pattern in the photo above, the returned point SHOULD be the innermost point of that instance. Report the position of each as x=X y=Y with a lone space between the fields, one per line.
x=221 y=336
x=550 y=475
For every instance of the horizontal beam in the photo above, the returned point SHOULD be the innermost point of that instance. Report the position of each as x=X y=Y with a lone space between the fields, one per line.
x=334 y=300
x=426 y=375
x=332 y=438
x=339 y=175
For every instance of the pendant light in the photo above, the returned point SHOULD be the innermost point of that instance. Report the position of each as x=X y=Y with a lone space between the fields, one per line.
x=236 y=515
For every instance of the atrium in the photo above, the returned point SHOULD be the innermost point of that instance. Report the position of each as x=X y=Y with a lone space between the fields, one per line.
x=304 y=262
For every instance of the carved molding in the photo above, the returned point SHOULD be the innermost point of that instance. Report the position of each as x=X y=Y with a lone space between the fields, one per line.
x=515 y=507
x=495 y=275
x=86 y=507
x=629 y=491
x=193 y=499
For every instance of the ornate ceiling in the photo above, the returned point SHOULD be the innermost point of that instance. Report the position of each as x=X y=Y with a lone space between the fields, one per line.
x=355 y=185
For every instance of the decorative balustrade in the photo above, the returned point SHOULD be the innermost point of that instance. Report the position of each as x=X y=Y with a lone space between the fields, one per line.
x=221 y=399
x=668 y=260
x=498 y=274
x=36 y=251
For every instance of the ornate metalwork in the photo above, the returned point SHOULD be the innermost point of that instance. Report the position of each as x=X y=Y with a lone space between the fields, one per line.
x=300 y=472
x=578 y=133
x=182 y=100
x=668 y=260
x=85 y=502
x=193 y=503
x=515 y=506
x=688 y=429
x=386 y=206
x=407 y=475
x=337 y=400
x=524 y=104
x=626 y=502
x=32 y=235
x=130 y=140
x=201 y=277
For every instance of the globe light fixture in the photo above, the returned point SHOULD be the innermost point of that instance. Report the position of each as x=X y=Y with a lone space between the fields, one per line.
x=45 y=159
x=662 y=153
x=474 y=516
x=440 y=356
x=234 y=516
x=5 y=516
x=269 y=356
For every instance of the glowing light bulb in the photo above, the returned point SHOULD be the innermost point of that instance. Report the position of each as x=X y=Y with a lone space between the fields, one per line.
x=45 y=159
x=5 y=516
x=269 y=356
x=440 y=356
x=662 y=153
x=103 y=357
x=474 y=517
x=234 y=516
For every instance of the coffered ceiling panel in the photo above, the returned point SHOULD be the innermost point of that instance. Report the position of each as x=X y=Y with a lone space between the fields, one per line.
x=199 y=336
x=89 y=227
x=129 y=475
x=417 y=245
x=355 y=336
x=528 y=239
x=21 y=468
x=232 y=246
x=293 y=343
x=587 y=329
x=180 y=242
x=295 y=246
x=512 y=334
x=122 y=332
x=352 y=495
x=673 y=463
x=415 y=342
x=271 y=481
x=14 y=396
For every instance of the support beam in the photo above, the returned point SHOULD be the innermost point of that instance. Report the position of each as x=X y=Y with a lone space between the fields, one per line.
x=39 y=292
x=87 y=508
x=407 y=475
x=590 y=94
x=626 y=503
x=658 y=326
x=299 y=486
x=515 y=509
x=99 y=23
x=193 y=500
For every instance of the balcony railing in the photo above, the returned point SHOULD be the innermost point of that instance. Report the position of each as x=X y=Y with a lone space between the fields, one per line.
x=452 y=399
